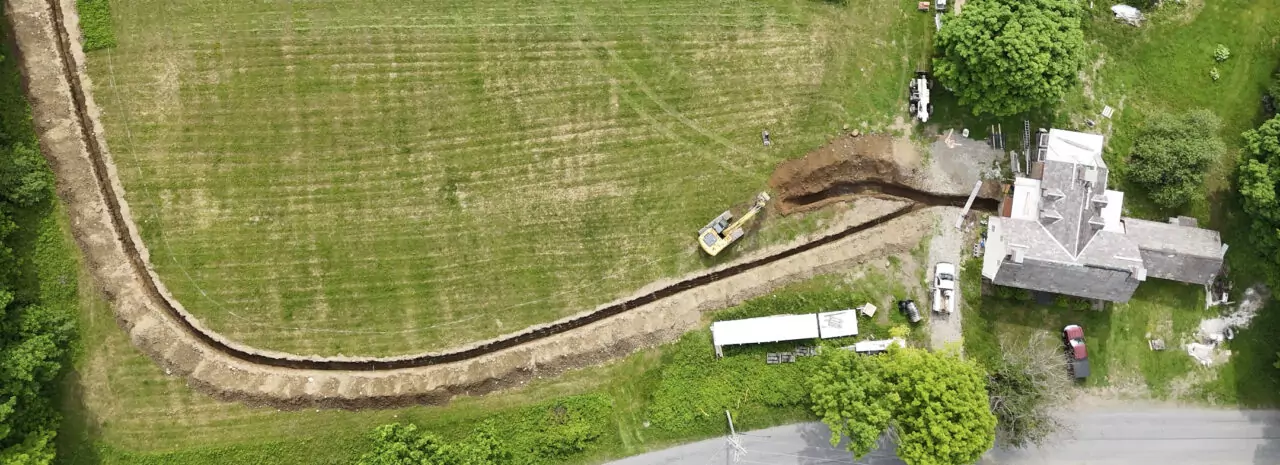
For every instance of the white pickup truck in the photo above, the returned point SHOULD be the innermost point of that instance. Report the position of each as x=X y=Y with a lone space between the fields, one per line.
x=944 y=288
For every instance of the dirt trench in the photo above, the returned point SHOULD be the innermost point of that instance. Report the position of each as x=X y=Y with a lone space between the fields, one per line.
x=72 y=139
x=850 y=166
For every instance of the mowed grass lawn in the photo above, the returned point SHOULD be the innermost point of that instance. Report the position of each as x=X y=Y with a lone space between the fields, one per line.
x=384 y=177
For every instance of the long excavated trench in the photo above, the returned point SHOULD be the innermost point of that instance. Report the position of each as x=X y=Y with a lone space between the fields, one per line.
x=46 y=32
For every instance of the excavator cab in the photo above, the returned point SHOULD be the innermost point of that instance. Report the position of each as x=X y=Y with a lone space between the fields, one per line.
x=723 y=230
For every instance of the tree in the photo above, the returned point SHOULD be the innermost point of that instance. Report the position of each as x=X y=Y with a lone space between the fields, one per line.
x=935 y=402
x=852 y=395
x=1004 y=57
x=1259 y=175
x=1172 y=153
x=1029 y=387
x=26 y=178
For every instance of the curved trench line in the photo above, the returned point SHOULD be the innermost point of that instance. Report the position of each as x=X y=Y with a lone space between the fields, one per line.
x=138 y=265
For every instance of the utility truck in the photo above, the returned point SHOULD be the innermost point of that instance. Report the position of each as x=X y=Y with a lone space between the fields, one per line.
x=944 y=288
x=919 y=103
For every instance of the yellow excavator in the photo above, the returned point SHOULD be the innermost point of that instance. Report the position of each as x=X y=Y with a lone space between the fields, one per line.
x=719 y=233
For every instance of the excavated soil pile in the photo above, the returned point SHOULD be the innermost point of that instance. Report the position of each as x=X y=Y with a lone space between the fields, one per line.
x=847 y=166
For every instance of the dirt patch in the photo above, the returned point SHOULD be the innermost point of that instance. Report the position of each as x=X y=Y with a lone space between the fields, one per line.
x=872 y=166
x=846 y=159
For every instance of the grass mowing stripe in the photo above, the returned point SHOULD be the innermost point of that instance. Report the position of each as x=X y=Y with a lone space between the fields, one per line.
x=508 y=161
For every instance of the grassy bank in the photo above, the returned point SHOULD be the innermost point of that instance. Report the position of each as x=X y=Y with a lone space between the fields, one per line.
x=122 y=409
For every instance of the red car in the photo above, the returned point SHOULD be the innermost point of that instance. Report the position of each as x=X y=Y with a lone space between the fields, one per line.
x=1077 y=355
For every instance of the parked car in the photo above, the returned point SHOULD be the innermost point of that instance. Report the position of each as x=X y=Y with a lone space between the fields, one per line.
x=1077 y=354
x=944 y=288
x=908 y=308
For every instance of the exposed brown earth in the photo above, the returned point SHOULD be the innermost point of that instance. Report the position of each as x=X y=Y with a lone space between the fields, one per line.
x=71 y=138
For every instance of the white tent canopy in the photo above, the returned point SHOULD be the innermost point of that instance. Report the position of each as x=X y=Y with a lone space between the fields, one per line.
x=784 y=328
x=766 y=329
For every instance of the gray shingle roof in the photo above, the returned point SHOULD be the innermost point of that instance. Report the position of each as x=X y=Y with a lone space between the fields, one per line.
x=1180 y=253
x=1068 y=248
x=1184 y=240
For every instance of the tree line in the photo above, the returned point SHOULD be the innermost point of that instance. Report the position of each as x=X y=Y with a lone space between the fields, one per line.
x=36 y=336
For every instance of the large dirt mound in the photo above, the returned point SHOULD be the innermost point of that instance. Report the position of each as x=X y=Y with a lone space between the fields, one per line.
x=846 y=160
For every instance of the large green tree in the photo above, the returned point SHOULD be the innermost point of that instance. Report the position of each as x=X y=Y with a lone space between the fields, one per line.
x=1004 y=57
x=935 y=402
x=1172 y=153
x=1259 y=177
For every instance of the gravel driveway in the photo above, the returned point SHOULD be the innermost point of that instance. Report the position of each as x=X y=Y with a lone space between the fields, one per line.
x=947 y=245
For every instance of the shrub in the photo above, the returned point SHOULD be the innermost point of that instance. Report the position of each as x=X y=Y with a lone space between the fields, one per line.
x=1221 y=53
x=1213 y=74
x=95 y=24
x=695 y=388
x=548 y=433
x=1274 y=88
x=1172 y=153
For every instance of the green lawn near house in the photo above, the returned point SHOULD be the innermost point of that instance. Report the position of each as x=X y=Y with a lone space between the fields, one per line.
x=1161 y=66
x=1117 y=337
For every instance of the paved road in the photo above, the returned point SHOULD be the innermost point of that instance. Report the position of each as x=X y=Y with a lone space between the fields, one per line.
x=1163 y=436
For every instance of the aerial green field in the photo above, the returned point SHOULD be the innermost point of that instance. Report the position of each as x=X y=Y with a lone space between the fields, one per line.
x=384 y=177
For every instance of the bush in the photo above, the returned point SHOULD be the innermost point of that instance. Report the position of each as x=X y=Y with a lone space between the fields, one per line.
x=1259 y=174
x=95 y=24
x=1221 y=53
x=1172 y=153
x=695 y=388
x=548 y=433
x=551 y=432
x=1274 y=88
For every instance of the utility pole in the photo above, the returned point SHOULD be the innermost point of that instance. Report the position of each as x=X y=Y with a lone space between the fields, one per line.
x=738 y=450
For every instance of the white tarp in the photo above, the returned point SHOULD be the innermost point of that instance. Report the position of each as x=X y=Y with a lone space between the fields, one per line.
x=882 y=345
x=765 y=329
x=1127 y=14
x=837 y=324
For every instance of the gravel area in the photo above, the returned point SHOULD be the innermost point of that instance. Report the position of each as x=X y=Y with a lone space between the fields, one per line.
x=957 y=167
x=947 y=245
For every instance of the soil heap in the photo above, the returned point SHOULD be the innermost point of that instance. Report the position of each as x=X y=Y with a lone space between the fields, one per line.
x=845 y=167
